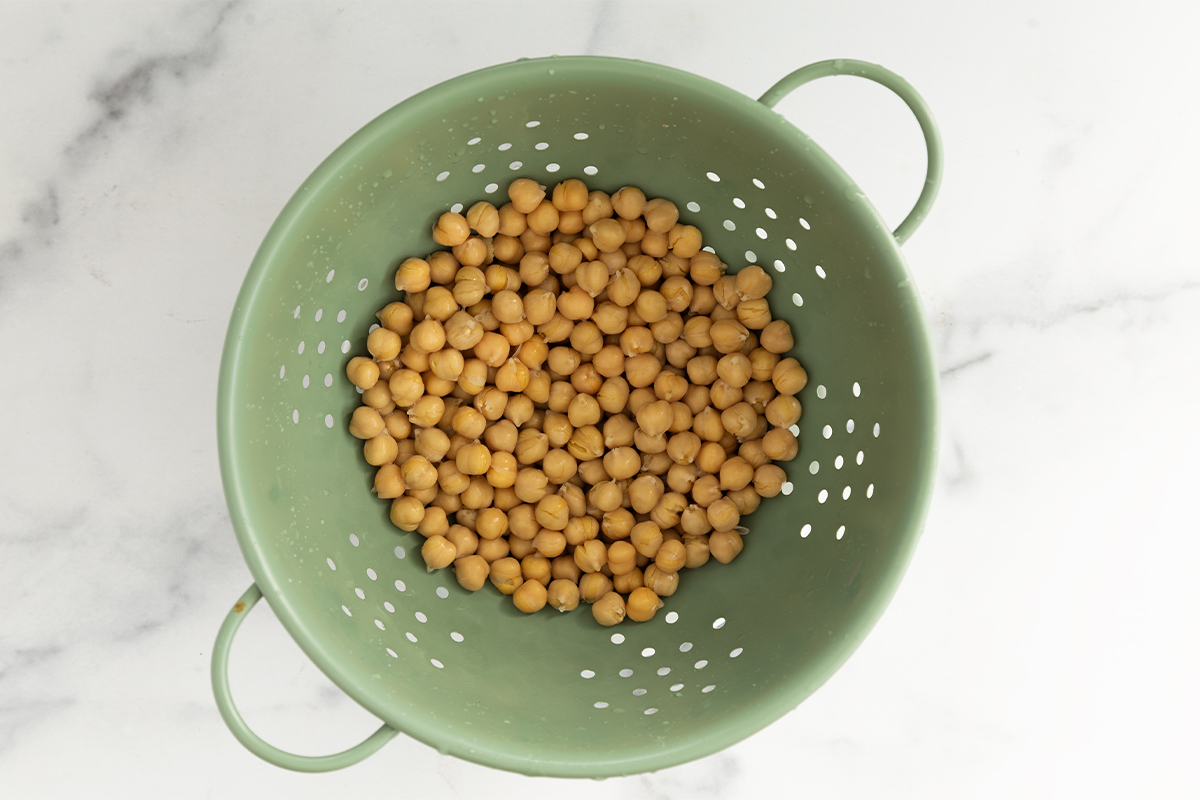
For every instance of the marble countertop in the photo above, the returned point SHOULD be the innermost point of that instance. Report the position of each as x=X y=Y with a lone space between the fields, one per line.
x=1043 y=643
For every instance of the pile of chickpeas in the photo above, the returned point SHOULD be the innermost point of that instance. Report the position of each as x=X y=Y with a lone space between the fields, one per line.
x=574 y=401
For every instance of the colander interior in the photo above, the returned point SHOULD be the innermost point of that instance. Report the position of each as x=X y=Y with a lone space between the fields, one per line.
x=738 y=645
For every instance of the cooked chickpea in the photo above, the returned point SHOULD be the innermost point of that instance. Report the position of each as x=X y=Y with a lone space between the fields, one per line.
x=389 y=483
x=789 y=377
x=622 y=557
x=431 y=443
x=501 y=435
x=542 y=219
x=536 y=567
x=473 y=459
x=412 y=276
x=739 y=419
x=505 y=574
x=661 y=215
x=607 y=235
x=451 y=229
x=435 y=522
x=753 y=282
x=662 y=582
x=780 y=444
x=591 y=555
x=735 y=474
x=644 y=493
x=609 y=610
x=552 y=512
x=723 y=515
x=366 y=423
x=725 y=545
x=776 y=337
x=710 y=457
x=563 y=595
x=530 y=485
x=623 y=290
x=617 y=524
x=491 y=402
x=526 y=195
x=694 y=520
x=502 y=474
x=783 y=411
x=406 y=513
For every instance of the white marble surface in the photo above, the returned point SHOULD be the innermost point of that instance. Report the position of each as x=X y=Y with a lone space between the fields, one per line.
x=1044 y=643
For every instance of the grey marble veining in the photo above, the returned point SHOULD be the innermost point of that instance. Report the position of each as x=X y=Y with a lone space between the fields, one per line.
x=1040 y=645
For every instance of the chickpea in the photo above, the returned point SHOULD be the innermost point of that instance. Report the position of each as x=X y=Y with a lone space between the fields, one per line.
x=646 y=269
x=451 y=229
x=431 y=443
x=685 y=241
x=492 y=550
x=655 y=418
x=563 y=595
x=708 y=424
x=521 y=548
x=501 y=435
x=644 y=493
x=389 y=483
x=580 y=530
x=505 y=574
x=789 y=377
x=473 y=459
x=783 y=411
x=543 y=219
x=681 y=477
x=621 y=558
x=363 y=372
x=594 y=585
x=623 y=290
x=723 y=515
x=711 y=457
x=642 y=604
x=605 y=495
x=437 y=552
x=753 y=282
x=694 y=521
x=725 y=293
x=776 y=337
x=522 y=522
x=641 y=370
x=412 y=276
x=617 y=524
x=491 y=523
x=532 y=446
x=557 y=329
x=538 y=388
x=622 y=462
x=406 y=513
x=662 y=582
x=564 y=568
x=725 y=545
x=697 y=399
x=607 y=235
x=609 y=610
x=450 y=480
x=397 y=317
x=536 y=567
x=572 y=492
x=655 y=244
x=752 y=453
x=628 y=581
x=435 y=522
x=491 y=402
x=366 y=423
x=661 y=215
x=696 y=551
x=739 y=419
x=735 y=473
x=613 y=394
x=471 y=571
x=666 y=513
x=526 y=195
x=552 y=513
x=473 y=379
x=591 y=555
x=559 y=466
x=443 y=267
x=769 y=480
x=534 y=267
x=530 y=485
x=586 y=443
x=468 y=422
x=780 y=444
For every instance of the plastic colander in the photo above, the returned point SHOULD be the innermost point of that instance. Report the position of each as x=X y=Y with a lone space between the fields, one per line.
x=738 y=645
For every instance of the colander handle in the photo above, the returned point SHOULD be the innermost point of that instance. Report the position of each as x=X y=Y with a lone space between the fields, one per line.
x=902 y=89
x=220 y=682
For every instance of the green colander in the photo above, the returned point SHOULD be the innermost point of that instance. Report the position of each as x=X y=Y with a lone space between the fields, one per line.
x=738 y=645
